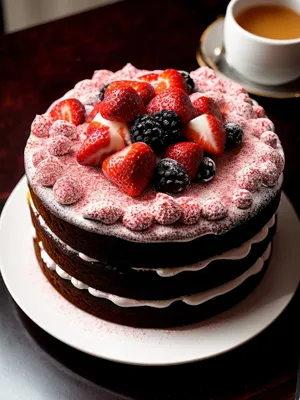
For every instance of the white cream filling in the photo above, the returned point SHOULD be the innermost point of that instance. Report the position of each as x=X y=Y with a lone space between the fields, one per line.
x=233 y=254
x=193 y=300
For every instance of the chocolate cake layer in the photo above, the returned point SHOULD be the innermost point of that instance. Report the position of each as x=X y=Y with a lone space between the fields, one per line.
x=120 y=253
x=148 y=285
x=177 y=314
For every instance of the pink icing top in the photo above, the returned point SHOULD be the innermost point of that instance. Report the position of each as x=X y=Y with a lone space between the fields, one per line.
x=247 y=177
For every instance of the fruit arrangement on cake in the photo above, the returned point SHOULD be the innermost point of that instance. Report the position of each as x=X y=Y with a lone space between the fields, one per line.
x=153 y=195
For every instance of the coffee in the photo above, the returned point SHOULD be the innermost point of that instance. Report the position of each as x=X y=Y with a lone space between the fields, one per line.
x=270 y=21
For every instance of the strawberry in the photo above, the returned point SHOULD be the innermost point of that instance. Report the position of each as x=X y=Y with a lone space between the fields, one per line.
x=123 y=104
x=118 y=127
x=188 y=154
x=94 y=112
x=144 y=89
x=71 y=110
x=100 y=143
x=176 y=100
x=208 y=131
x=166 y=79
x=131 y=169
x=206 y=105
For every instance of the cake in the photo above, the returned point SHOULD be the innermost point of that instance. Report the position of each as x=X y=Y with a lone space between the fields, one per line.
x=153 y=195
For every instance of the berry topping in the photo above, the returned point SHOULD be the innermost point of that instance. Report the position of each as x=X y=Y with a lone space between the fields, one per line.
x=48 y=171
x=188 y=81
x=176 y=100
x=123 y=105
x=146 y=129
x=41 y=125
x=99 y=144
x=213 y=210
x=206 y=105
x=59 y=145
x=249 y=178
x=270 y=138
x=67 y=190
x=259 y=112
x=206 y=130
x=190 y=210
x=206 y=171
x=90 y=98
x=94 y=112
x=188 y=154
x=165 y=209
x=104 y=211
x=101 y=77
x=170 y=176
x=119 y=127
x=234 y=135
x=144 y=89
x=269 y=173
x=63 y=128
x=102 y=92
x=170 y=78
x=131 y=169
x=84 y=86
x=39 y=156
x=242 y=198
x=137 y=218
x=171 y=126
x=275 y=157
x=71 y=110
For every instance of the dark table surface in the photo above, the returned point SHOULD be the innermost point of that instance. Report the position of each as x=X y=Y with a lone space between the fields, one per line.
x=37 y=66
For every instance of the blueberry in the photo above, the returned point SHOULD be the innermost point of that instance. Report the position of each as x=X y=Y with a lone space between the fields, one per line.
x=206 y=171
x=234 y=135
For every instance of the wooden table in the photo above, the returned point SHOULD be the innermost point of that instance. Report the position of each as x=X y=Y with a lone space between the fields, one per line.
x=37 y=66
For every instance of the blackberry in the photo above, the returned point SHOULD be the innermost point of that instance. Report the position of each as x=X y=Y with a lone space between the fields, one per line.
x=188 y=80
x=102 y=92
x=170 y=176
x=171 y=126
x=146 y=129
x=206 y=171
x=234 y=135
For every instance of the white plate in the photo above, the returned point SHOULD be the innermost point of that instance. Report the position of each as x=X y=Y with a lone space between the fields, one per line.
x=207 y=55
x=45 y=306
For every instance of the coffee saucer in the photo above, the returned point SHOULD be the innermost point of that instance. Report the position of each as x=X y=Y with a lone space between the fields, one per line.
x=211 y=53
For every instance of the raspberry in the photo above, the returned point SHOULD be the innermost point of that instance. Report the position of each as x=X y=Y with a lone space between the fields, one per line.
x=190 y=209
x=242 y=198
x=270 y=173
x=104 y=211
x=67 y=190
x=39 y=156
x=214 y=210
x=165 y=209
x=249 y=178
x=41 y=125
x=48 y=171
x=137 y=218
x=270 y=138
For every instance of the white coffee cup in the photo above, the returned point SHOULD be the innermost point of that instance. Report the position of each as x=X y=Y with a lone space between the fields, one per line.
x=261 y=60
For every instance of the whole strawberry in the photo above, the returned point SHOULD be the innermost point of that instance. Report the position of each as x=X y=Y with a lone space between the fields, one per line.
x=123 y=104
x=144 y=89
x=188 y=154
x=131 y=169
x=173 y=99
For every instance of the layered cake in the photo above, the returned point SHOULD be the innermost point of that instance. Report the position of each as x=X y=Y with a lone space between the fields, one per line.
x=153 y=195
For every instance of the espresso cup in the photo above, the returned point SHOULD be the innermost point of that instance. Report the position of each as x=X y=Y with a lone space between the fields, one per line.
x=259 y=59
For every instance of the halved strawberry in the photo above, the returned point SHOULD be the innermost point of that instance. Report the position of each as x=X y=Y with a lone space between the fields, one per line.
x=100 y=143
x=123 y=104
x=118 y=127
x=144 y=89
x=206 y=105
x=168 y=78
x=176 y=100
x=71 y=110
x=208 y=131
x=94 y=112
x=131 y=169
x=188 y=154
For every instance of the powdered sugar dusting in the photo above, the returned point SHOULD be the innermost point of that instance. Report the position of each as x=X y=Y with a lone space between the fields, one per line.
x=190 y=211
x=67 y=190
x=59 y=145
x=214 y=210
x=103 y=211
x=41 y=125
x=63 y=128
x=137 y=218
x=165 y=209
x=257 y=148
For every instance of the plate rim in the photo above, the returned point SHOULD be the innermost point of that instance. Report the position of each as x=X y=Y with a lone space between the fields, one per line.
x=21 y=186
x=206 y=61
